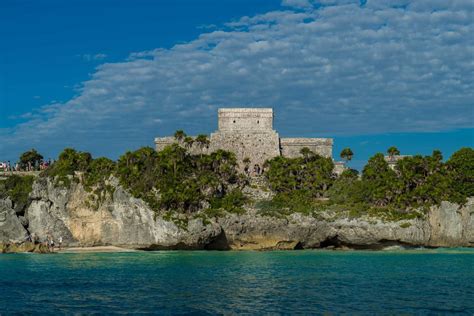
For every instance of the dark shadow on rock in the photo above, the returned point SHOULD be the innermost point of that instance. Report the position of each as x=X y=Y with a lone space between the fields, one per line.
x=331 y=242
x=299 y=246
x=178 y=246
x=335 y=242
x=220 y=242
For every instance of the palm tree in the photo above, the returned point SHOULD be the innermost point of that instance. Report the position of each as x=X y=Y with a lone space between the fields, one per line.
x=392 y=152
x=306 y=152
x=179 y=135
x=188 y=142
x=202 y=141
x=346 y=154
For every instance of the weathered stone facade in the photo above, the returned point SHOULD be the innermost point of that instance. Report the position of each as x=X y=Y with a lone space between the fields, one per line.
x=290 y=147
x=249 y=133
x=392 y=160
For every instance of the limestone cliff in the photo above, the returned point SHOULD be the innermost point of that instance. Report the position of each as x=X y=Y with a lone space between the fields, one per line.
x=121 y=220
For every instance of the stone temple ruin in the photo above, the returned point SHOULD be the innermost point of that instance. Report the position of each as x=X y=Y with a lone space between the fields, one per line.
x=249 y=133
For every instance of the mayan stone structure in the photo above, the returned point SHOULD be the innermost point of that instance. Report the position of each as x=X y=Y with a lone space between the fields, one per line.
x=249 y=133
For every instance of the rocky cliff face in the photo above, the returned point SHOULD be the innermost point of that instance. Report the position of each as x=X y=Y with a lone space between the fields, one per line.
x=121 y=220
x=11 y=227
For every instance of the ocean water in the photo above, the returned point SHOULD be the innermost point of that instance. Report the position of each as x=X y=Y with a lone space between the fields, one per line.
x=421 y=282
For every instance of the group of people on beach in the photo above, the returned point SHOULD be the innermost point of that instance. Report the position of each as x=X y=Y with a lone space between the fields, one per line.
x=51 y=244
x=7 y=166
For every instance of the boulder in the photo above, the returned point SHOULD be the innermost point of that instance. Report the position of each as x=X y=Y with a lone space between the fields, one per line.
x=23 y=247
x=11 y=228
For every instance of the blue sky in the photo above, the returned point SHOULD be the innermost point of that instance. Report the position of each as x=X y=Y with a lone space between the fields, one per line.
x=107 y=76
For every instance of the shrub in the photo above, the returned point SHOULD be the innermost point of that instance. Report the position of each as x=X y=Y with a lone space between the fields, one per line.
x=232 y=202
x=31 y=157
x=97 y=172
x=460 y=170
x=173 y=179
x=284 y=204
x=17 y=188
x=70 y=161
x=312 y=174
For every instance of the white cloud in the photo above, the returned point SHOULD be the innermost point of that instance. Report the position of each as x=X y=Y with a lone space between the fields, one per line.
x=303 y=4
x=93 y=57
x=339 y=69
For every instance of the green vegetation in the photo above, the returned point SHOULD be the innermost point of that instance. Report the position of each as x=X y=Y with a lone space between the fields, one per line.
x=179 y=135
x=405 y=225
x=202 y=141
x=173 y=179
x=70 y=161
x=176 y=183
x=311 y=174
x=284 y=204
x=232 y=202
x=460 y=168
x=97 y=172
x=30 y=158
x=299 y=184
x=393 y=151
x=17 y=188
x=347 y=154
x=379 y=182
x=188 y=142
x=405 y=192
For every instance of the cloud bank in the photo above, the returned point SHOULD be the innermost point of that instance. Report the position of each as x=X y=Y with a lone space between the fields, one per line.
x=327 y=67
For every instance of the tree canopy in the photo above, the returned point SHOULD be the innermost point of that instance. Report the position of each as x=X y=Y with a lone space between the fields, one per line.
x=311 y=173
x=179 y=135
x=393 y=151
x=347 y=154
x=30 y=157
x=176 y=180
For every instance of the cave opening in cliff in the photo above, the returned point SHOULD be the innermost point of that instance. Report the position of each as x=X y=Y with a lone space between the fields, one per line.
x=331 y=242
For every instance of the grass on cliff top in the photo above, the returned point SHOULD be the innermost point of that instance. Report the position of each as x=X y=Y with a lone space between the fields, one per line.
x=17 y=189
x=95 y=171
x=283 y=205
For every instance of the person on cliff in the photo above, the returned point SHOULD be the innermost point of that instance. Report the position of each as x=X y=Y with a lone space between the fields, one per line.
x=60 y=242
x=51 y=244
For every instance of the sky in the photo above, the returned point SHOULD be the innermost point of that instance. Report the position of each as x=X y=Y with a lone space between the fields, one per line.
x=107 y=76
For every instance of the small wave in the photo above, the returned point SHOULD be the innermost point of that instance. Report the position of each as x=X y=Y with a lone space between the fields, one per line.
x=394 y=248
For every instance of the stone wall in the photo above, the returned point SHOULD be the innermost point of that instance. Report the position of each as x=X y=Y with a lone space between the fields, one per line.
x=290 y=147
x=339 y=167
x=260 y=119
x=195 y=149
x=162 y=142
x=249 y=134
x=392 y=160
x=257 y=146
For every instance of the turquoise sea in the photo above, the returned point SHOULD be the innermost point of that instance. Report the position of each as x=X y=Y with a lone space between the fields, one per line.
x=421 y=282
